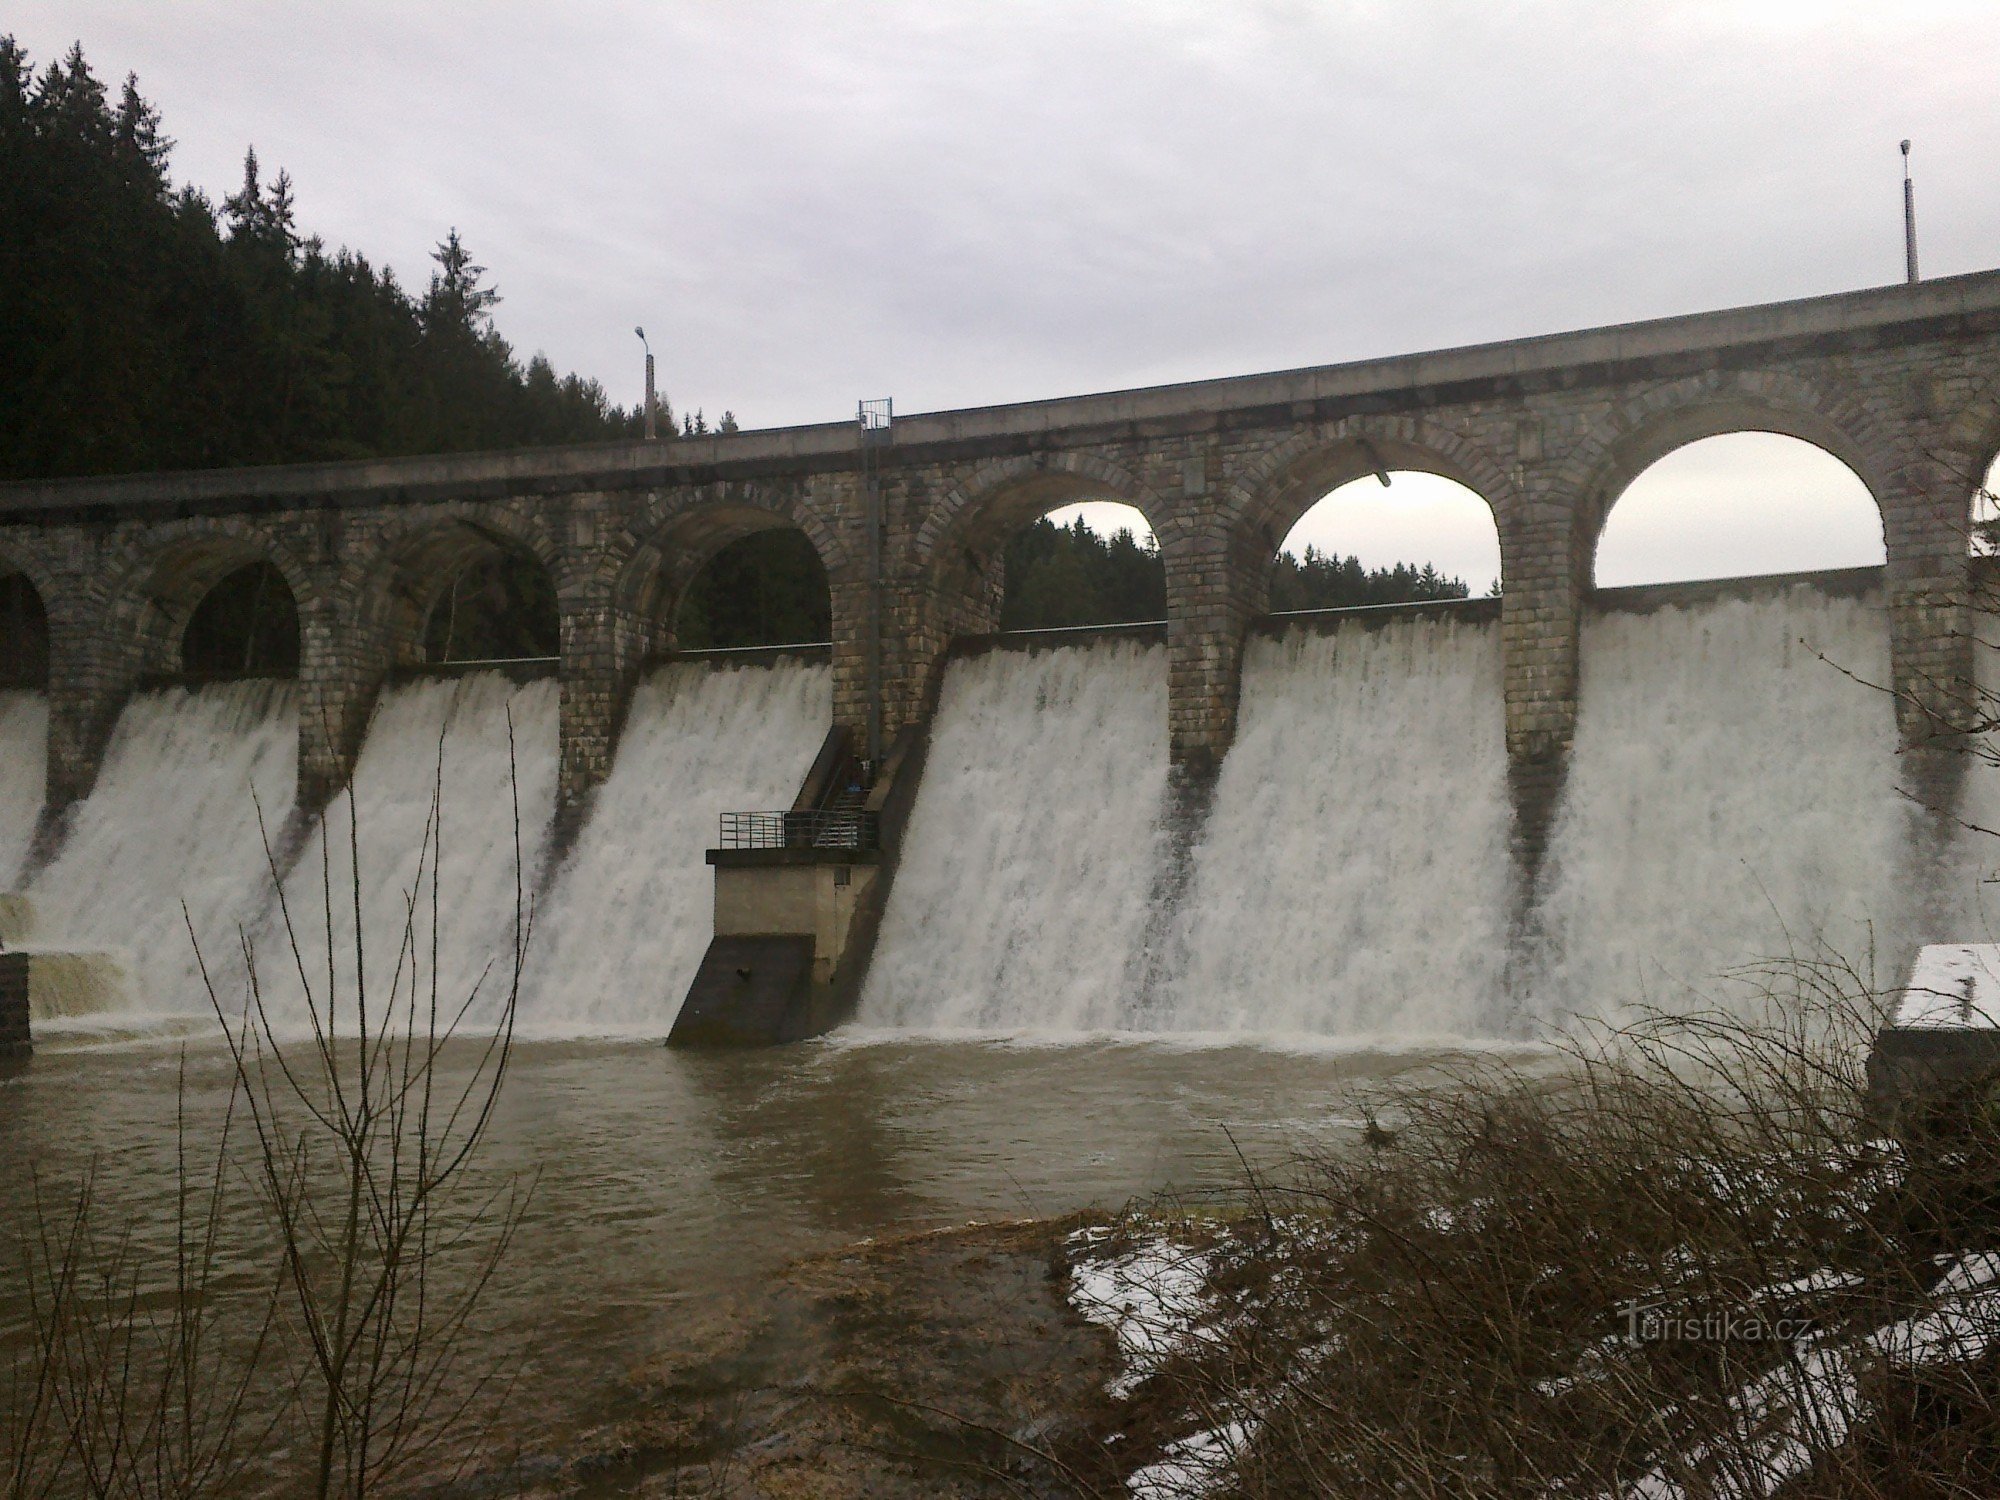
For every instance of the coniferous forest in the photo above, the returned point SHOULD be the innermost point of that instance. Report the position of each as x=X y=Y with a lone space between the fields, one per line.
x=149 y=328
x=143 y=326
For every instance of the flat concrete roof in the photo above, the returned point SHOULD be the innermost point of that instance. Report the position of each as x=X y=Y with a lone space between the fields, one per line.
x=1926 y=309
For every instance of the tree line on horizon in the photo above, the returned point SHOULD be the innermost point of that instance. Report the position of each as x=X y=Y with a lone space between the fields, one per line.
x=1071 y=575
x=149 y=328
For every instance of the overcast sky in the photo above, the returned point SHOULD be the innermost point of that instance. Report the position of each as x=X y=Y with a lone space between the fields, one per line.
x=971 y=201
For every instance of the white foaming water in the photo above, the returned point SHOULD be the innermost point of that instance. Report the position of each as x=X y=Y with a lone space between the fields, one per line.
x=632 y=908
x=24 y=741
x=472 y=849
x=171 y=820
x=1731 y=799
x=1353 y=878
x=1968 y=904
x=1020 y=900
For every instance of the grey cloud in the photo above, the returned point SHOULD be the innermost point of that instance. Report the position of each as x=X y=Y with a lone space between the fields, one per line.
x=968 y=202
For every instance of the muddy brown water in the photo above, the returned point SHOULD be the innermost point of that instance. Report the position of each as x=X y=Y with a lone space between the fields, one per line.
x=663 y=1180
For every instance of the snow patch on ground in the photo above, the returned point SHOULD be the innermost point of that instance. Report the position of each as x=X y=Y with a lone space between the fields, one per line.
x=1191 y=1467
x=1805 y=1406
x=1150 y=1297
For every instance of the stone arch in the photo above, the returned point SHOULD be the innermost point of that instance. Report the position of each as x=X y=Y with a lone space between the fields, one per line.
x=678 y=538
x=246 y=624
x=397 y=584
x=1670 y=417
x=166 y=572
x=959 y=539
x=25 y=619
x=1282 y=485
x=1968 y=457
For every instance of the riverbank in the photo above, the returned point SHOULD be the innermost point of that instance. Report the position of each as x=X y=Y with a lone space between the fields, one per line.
x=1691 y=1266
x=948 y=1362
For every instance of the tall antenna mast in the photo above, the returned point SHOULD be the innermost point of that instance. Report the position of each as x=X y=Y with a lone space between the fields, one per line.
x=1909 y=219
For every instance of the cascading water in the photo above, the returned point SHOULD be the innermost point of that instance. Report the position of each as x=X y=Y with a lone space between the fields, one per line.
x=24 y=737
x=1732 y=798
x=1353 y=879
x=171 y=820
x=1967 y=906
x=631 y=911
x=1020 y=898
x=443 y=744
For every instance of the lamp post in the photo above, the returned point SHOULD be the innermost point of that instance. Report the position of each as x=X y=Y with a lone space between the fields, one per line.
x=652 y=428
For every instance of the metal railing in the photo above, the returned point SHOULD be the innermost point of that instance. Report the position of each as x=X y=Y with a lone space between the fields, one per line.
x=841 y=828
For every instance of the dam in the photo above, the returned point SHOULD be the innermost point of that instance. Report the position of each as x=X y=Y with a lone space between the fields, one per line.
x=1367 y=891
x=1454 y=820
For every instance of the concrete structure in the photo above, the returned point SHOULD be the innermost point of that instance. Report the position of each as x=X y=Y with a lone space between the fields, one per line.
x=1899 y=382
x=1939 y=1054
x=798 y=902
x=15 y=1041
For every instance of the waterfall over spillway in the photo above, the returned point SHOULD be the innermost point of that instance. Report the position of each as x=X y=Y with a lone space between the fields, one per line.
x=442 y=742
x=1732 y=798
x=1021 y=898
x=24 y=739
x=1353 y=879
x=171 y=820
x=631 y=911
x=617 y=930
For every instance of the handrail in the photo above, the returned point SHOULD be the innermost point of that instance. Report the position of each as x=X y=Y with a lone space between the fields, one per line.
x=843 y=828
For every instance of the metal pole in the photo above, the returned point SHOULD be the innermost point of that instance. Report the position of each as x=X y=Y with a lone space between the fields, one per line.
x=1909 y=219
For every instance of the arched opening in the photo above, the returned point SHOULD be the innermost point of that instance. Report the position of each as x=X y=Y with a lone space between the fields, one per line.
x=1738 y=505
x=1395 y=537
x=24 y=633
x=1982 y=536
x=1091 y=562
x=246 y=625
x=497 y=604
x=768 y=588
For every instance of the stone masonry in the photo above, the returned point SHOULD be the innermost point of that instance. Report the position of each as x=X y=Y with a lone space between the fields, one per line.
x=1902 y=383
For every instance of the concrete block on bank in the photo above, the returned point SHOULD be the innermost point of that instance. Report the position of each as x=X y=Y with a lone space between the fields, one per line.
x=1944 y=1036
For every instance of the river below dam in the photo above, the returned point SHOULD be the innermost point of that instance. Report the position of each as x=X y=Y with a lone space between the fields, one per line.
x=664 y=1180
x=1040 y=1029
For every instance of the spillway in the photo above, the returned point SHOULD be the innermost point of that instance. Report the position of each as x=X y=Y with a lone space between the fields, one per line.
x=630 y=913
x=1732 y=798
x=172 y=821
x=457 y=756
x=24 y=739
x=1021 y=898
x=1353 y=877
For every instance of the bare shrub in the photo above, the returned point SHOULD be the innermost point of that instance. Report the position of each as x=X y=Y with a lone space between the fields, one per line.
x=356 y=1110
x=1684 y=1262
